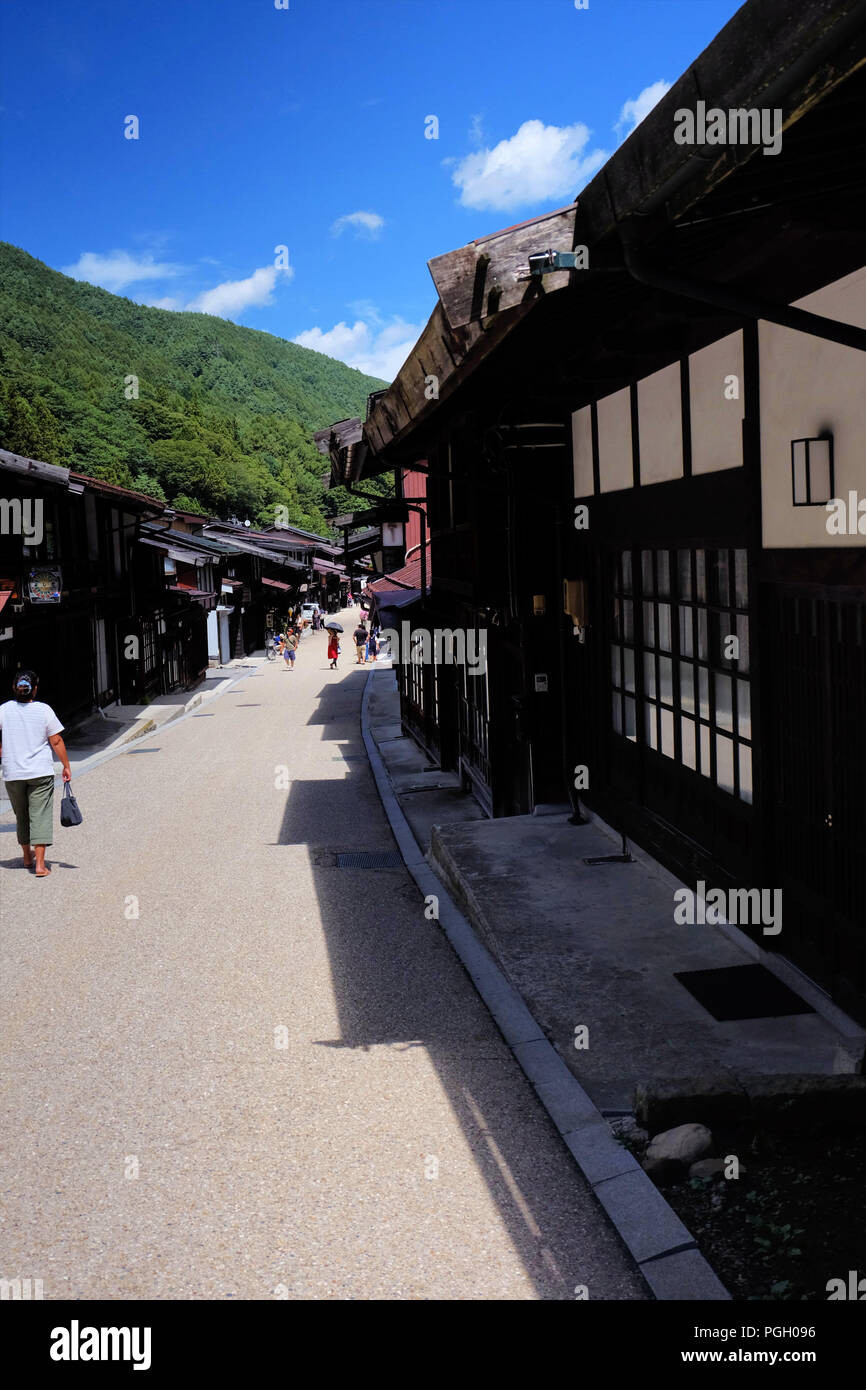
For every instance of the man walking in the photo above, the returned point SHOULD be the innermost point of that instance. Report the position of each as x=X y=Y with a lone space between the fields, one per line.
x=360 y=636
x=30 y=733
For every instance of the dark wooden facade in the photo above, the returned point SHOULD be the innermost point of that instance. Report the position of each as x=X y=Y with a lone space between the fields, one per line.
x=77 y=644
x=610 y=675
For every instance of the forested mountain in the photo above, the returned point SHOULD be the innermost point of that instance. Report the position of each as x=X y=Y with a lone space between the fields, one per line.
x=223 y=418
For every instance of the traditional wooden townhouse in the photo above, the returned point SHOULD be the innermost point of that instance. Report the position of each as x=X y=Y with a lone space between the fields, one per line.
x=191 y=629
x=280 y=567
x=642 y=421
x=375 y=537
x=69 y=590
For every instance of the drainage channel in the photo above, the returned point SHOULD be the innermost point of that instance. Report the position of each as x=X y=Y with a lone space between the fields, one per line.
x=370 y=859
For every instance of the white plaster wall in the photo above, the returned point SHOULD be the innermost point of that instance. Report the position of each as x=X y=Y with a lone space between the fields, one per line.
x=660 y=428
x=614 y=442
x=581 y=444
x=716 y=420
x=808 y=387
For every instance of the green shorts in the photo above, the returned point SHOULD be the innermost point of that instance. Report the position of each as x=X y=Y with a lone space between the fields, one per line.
x=33 y=803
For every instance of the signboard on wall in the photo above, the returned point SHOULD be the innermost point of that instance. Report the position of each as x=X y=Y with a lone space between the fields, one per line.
x=43 y=584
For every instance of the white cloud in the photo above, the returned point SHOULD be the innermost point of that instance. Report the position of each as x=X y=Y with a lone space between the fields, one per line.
x=117 y=269
x=476 y=130
x=366 y=309
x=168 y=301
x=229 y=299
x=377 y=351
x=365 y=223
x=539 y=164
x=633 y=112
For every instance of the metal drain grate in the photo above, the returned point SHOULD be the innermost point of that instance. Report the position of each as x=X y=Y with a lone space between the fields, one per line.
x=370 y=859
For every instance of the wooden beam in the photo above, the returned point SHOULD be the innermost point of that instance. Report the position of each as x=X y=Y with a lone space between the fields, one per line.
x=481 y=279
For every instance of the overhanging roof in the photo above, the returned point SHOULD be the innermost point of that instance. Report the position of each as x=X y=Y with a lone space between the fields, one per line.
x=33 y=468
x=725 y=212
x=195 y=546
x=134 y=501
x=270 y=553
x=408 y=577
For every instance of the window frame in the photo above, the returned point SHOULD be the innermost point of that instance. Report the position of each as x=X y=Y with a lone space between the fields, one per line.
x=685 y=602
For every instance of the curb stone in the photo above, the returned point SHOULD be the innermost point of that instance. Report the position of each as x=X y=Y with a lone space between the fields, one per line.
x=663 y=1249
x=138 y=731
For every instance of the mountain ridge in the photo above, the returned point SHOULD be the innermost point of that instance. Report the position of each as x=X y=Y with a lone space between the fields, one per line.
x=194 y=410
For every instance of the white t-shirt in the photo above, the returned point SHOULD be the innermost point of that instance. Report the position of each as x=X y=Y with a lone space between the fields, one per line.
x=24 y=733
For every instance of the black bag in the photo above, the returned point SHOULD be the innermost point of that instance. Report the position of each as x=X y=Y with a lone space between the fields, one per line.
x=69 y=812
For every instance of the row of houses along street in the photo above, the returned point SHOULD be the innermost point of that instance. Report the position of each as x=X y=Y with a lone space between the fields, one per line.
x=115 y=598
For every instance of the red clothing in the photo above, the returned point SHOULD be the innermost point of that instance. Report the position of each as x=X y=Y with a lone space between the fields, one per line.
x=333 y=646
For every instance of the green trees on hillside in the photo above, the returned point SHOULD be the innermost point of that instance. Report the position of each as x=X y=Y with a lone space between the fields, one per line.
x=198 y=411
x=29 y=426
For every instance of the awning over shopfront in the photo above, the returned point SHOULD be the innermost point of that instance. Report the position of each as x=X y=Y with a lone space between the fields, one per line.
x=276 y=584
x=186 y=554
x=206 y=597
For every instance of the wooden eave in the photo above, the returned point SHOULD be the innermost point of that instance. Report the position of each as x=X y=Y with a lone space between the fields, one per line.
x=33 y=468
x=481 y=279
x=771 y=53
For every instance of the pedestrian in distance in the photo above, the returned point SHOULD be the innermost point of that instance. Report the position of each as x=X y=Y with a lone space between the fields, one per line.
x=360 y=635
x=291 y=648
x=333 y=647
x=30 y=736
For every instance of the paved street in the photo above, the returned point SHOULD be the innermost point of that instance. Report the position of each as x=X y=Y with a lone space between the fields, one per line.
x=286 y=1053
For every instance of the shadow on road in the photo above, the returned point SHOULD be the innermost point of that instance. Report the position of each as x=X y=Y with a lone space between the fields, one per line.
x=398 y=984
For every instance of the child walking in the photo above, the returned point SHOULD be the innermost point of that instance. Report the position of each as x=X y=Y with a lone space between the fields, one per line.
x=290 y=650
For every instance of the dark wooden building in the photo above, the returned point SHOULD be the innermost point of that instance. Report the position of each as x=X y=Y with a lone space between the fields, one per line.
x=644 y=402
x=72 y=583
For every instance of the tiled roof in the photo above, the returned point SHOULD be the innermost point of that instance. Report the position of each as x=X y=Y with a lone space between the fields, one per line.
x=409 y=577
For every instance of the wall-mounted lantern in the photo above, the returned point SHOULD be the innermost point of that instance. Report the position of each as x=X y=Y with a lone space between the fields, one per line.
x=539 y=605
x=812 y=471
x=393 y=534
x=575 y=605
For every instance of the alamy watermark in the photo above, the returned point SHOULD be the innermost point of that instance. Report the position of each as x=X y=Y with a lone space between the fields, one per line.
x=22 y=518
x=846 y=519
x=738 y=906
x=735 y=127
x=23 y=1289
x=854 y=1289
x=77 y=1343
x=441 y=647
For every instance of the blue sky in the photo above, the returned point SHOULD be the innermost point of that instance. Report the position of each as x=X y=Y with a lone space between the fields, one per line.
x=304 y=128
